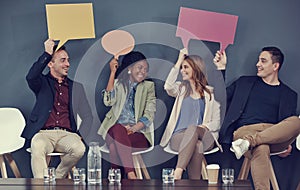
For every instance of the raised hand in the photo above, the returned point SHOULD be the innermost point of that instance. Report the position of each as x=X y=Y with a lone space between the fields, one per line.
x=183 y=52
x=49 y=44
x=113 y=64
x=220 y=60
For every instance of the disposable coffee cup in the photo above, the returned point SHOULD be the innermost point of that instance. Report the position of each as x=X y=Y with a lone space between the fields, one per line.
x=213 y=173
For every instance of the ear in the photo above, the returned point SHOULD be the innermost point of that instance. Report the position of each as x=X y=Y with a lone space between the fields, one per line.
x=50 y=64
x=276 y=66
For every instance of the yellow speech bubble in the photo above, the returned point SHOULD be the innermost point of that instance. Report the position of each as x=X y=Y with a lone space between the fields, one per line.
x=70 y=21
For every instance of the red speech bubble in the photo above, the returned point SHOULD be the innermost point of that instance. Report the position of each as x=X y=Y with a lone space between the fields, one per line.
x=206 y=25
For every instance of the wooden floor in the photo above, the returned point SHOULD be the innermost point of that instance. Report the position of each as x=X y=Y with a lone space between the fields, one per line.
x=67 y=184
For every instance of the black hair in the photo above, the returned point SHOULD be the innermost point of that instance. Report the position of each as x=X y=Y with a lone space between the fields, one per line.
x=276 y=55
x=61 y=48
x=127 y=61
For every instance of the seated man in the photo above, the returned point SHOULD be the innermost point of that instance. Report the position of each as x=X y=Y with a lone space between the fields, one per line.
x=52 y=125
x=260 y=114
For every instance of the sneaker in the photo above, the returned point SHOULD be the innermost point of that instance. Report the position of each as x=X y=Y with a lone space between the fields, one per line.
x=240 y=147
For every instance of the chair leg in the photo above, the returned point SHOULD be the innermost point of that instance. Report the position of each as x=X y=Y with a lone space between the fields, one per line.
x=143 y=167
x=3 y=167
x=48 y=160
x=137 y=167
x=243 y=175
x=245 y=171
x=13 y=165
x=273 y=178
x=204 y=171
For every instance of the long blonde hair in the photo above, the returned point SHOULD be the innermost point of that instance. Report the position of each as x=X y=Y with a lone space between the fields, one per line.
x=198 y=66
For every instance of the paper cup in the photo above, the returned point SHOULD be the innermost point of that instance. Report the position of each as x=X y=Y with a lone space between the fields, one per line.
x=213 y=173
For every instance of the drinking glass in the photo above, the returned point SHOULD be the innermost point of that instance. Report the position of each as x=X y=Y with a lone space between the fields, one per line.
x=168 y=175
x=228 y=175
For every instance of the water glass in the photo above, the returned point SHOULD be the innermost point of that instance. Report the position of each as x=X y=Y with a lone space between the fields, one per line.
x=168 y=175
x=82 y=175
x=114 y=175
x=76 y=176
x=49 y=175
x=228 y=175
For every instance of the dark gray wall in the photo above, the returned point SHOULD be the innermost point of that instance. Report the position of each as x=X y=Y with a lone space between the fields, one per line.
x=261 y=23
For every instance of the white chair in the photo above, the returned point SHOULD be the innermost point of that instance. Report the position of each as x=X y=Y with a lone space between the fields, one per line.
x=243 y=175
x=298 y=140
x=49 y=156
x=12 y=124
x=138 y=162
x=204 y=163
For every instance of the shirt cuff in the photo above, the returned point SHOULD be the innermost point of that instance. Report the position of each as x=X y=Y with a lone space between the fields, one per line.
x=145 y=121
x=109 y=93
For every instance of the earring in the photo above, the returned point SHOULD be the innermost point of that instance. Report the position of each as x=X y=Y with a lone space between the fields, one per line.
x=129 y=72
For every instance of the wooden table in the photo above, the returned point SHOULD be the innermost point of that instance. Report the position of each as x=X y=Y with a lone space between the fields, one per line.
x=154 y=184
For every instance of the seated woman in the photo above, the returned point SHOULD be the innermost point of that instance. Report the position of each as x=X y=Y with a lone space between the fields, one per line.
x=195 y=118
x=133 y=105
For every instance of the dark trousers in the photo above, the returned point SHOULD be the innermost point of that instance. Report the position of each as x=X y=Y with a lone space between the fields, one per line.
x=121 y=145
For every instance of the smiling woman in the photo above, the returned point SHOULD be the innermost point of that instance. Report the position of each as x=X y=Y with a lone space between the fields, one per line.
x=191 y=132
x=126 y=127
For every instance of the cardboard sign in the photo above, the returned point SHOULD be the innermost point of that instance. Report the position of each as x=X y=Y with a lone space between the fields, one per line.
x=70 y=21
x=118 y=42
x=207 y=26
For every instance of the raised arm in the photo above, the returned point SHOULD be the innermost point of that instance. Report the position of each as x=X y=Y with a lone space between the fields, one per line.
x=183 y=52
x=171 y=86
x=34 y=75
x=113 y=64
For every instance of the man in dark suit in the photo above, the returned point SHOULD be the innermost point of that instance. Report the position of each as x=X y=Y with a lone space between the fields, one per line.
x=261 y=114
x=52 y=122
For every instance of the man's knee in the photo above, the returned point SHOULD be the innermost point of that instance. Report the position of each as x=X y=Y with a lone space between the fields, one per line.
x=78 y=150
x=295 y=121
x=240 y=133
x=38 y=144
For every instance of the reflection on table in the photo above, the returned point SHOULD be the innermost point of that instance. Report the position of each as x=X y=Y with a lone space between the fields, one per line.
x=154 y=184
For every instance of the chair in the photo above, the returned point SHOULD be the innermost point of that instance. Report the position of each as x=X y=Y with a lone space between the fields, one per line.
x=12 y=124
x=243 y=175
x=204 y=163
x=138 y=162
x=298 y=140
x=49 y=156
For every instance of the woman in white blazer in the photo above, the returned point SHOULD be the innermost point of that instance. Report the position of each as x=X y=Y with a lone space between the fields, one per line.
x=194 y=122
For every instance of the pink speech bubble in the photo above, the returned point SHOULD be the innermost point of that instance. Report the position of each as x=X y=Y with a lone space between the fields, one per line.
x=206 y=25
x=118 y=42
